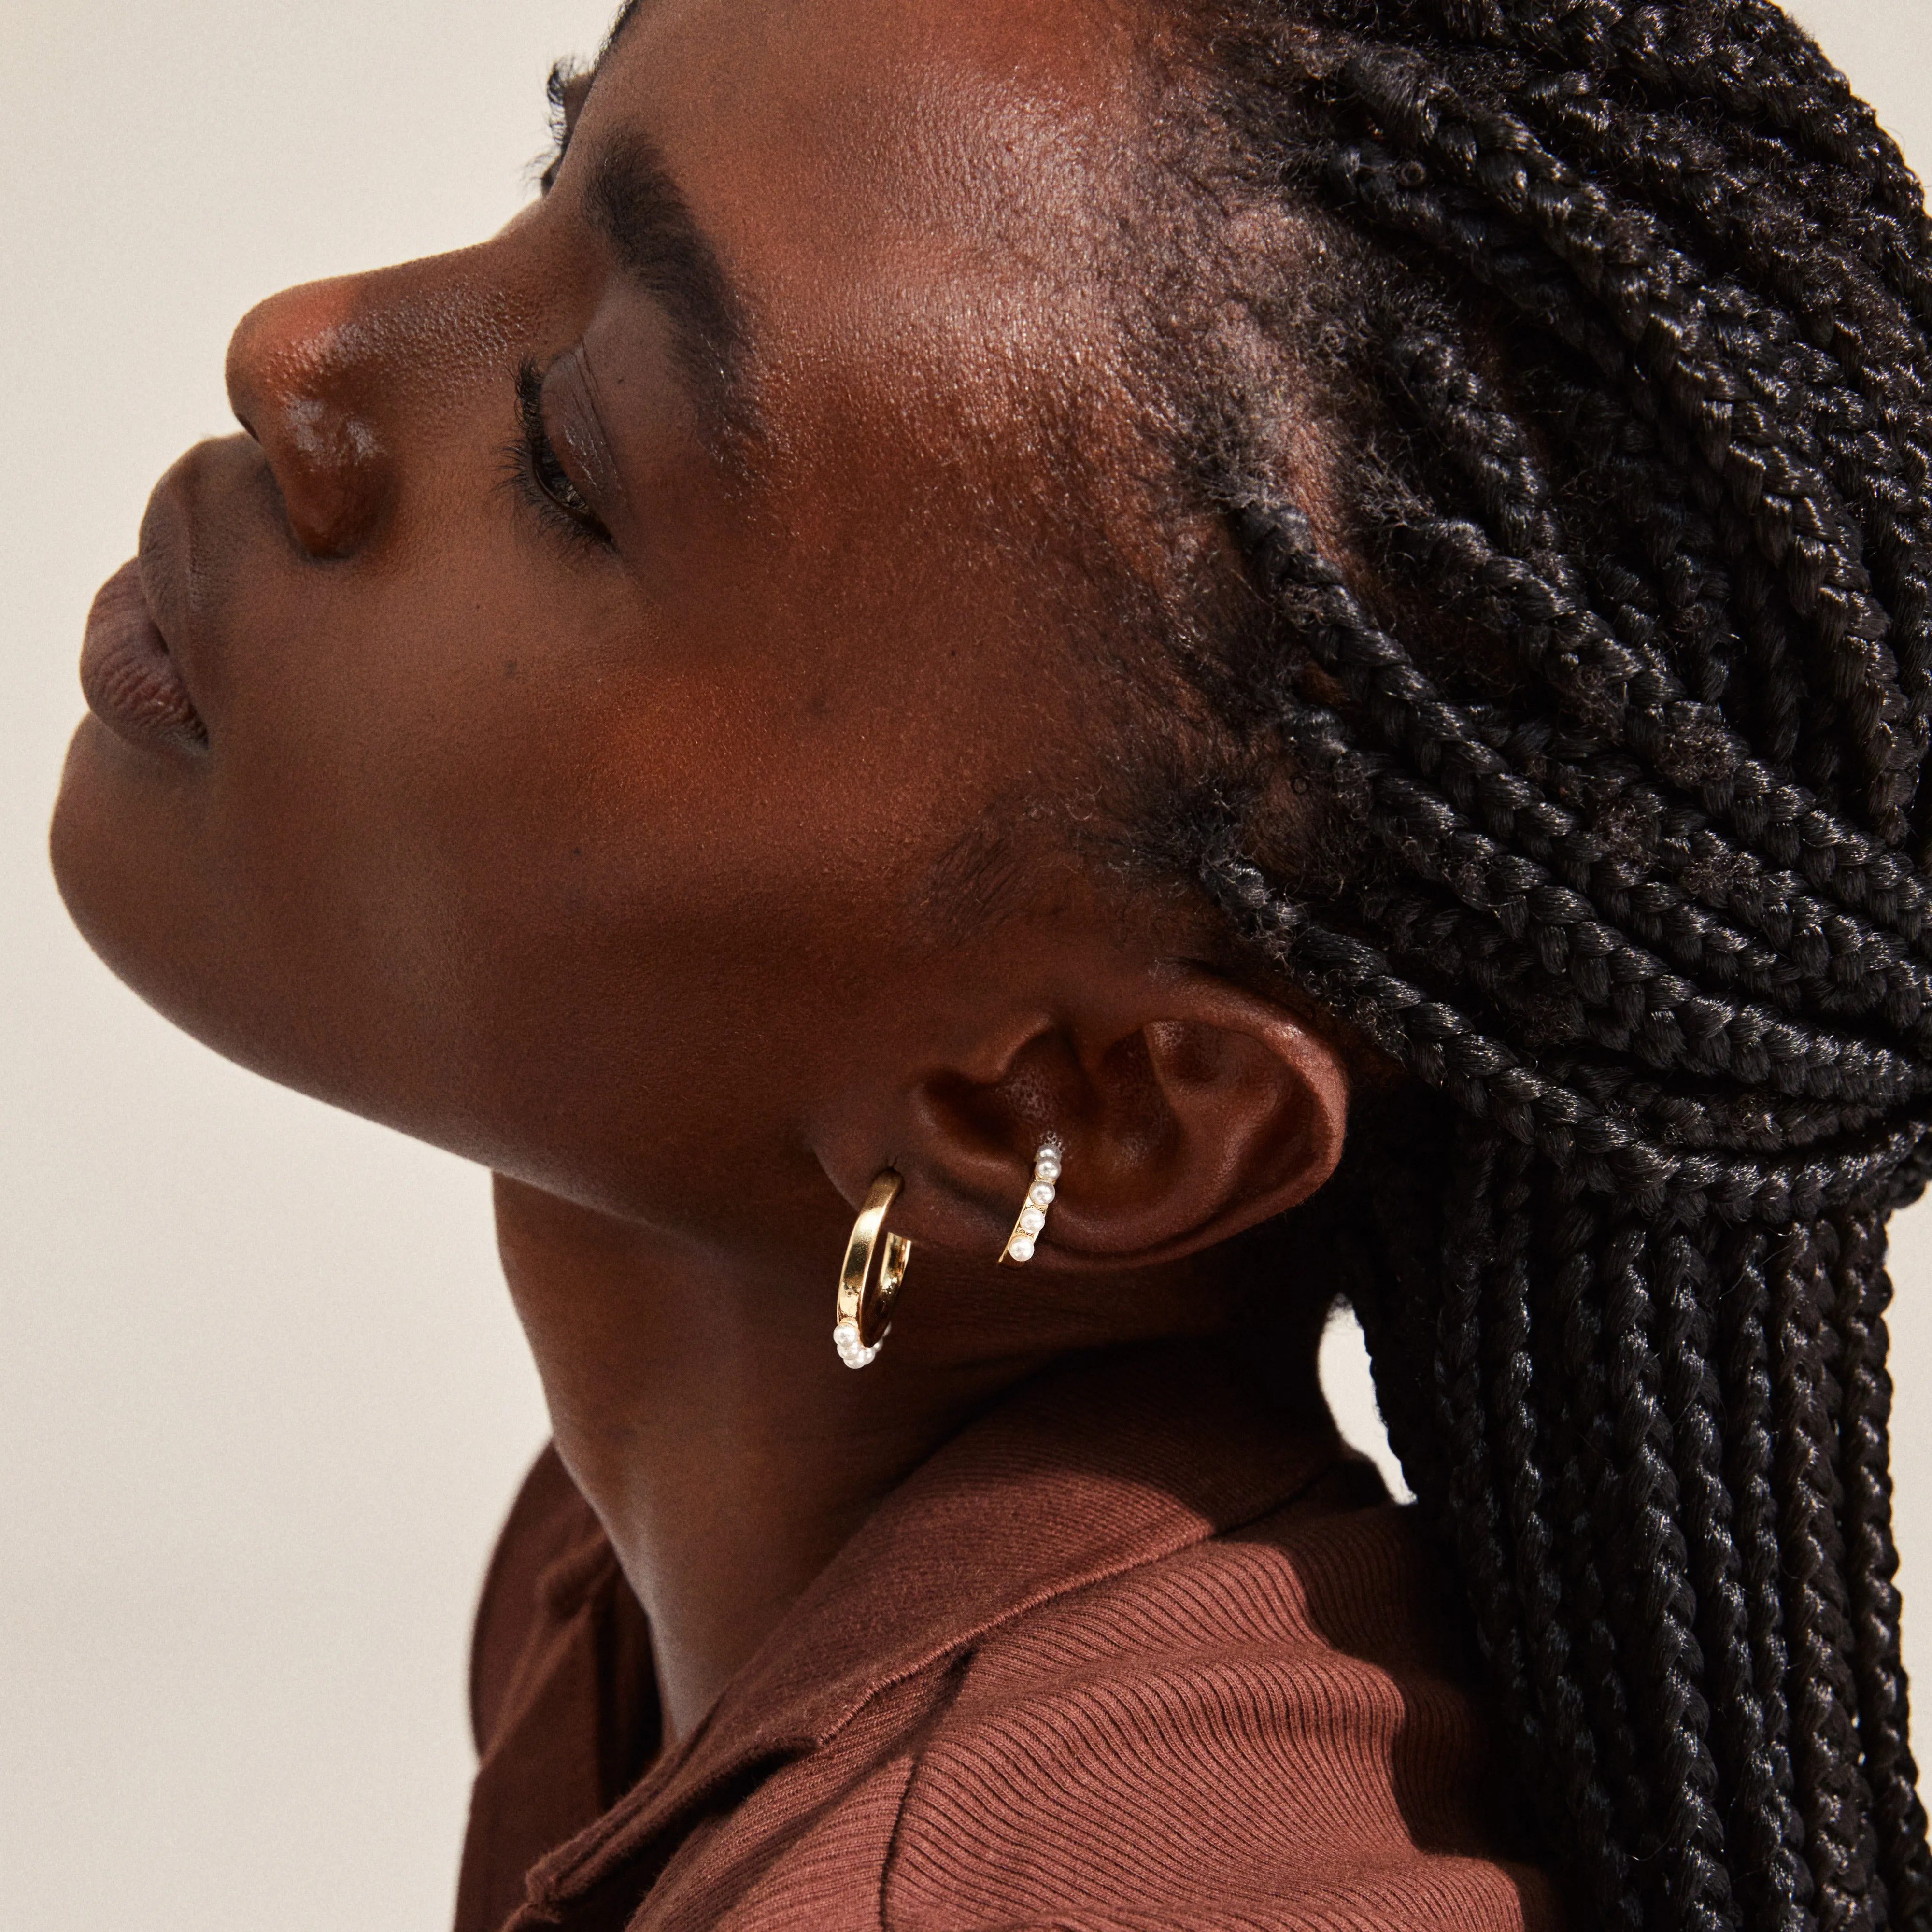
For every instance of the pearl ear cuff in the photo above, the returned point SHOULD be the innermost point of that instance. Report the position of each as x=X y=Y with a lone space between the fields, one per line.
x=1026 y=1230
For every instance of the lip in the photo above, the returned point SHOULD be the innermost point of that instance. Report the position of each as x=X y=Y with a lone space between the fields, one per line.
x=131 y=680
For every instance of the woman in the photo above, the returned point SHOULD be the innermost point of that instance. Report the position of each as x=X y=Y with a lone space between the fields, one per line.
x=1017 y=621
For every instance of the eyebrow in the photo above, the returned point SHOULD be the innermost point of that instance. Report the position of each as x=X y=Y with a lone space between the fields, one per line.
x=635 y=203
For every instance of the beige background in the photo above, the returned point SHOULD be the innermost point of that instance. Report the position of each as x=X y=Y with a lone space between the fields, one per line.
x=262 y=1401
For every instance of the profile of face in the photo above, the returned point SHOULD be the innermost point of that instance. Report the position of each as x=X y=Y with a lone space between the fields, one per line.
x=623 y=708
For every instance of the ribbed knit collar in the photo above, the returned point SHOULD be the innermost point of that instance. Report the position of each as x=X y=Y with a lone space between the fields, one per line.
x=1093 y=1469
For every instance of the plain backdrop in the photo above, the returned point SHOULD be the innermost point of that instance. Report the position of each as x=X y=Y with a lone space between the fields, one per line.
x=261 y=1400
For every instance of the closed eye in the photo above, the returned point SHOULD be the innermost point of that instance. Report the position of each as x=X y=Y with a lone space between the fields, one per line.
x=538 y=475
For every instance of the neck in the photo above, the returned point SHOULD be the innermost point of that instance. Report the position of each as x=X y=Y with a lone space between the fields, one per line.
x=700 y=1408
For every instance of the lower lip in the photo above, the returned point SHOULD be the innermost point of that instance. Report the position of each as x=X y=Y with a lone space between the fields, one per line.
x=131 y=682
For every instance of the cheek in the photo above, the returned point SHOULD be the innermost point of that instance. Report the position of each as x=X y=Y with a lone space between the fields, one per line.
x=481 y=853
x=307 y=899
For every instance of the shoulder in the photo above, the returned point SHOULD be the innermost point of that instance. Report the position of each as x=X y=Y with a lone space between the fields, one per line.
x=1268 y=1728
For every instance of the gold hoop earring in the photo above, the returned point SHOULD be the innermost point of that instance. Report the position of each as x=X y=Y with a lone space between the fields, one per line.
x=1019 y=1248
x=865 y=1305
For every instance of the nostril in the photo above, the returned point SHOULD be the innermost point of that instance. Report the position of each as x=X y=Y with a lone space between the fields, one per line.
x=329 y=466
x=333 y=487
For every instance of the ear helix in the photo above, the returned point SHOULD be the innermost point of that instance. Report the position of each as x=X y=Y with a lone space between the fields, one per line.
x=1032 y=1222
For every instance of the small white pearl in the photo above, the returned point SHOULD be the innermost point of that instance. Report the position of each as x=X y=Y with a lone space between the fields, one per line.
x=1031 y=1220
x=845 y=1334
x=1048 y=1165
x=1020 y=1248
x=1041 y=1194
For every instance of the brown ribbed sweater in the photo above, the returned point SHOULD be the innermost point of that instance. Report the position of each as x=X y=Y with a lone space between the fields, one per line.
x=1133 y=1650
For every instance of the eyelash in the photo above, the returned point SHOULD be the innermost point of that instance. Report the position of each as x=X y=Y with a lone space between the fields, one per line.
x=563 y=76
x=539 y=478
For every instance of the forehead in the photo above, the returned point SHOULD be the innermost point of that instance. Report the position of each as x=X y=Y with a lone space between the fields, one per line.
x=978 y=113
x=906 y=193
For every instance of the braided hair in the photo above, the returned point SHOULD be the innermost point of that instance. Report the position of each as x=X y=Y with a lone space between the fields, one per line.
x=1597 y=637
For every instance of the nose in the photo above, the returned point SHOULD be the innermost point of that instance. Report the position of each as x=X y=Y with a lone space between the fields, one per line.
x=305 y=380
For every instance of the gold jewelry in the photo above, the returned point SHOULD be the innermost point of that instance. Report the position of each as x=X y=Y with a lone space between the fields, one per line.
x=1019 y=1248
x=865 y=1313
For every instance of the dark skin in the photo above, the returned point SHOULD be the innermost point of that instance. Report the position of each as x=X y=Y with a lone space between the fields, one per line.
x=618 y=857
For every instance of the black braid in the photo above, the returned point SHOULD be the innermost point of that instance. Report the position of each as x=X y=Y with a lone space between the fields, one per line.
x=1564 y=389
x=1742 y=1310
x=1864 y=1290
x=1831 y=1786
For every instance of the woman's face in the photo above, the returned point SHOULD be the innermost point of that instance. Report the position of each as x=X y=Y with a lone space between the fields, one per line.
x=545 y=729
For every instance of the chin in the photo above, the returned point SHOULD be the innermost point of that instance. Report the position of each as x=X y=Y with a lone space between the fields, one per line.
x=108 y=847
x=126 y=847
x=290 y=987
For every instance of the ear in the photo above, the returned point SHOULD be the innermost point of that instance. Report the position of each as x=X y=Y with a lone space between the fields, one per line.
x=1186 y=1109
